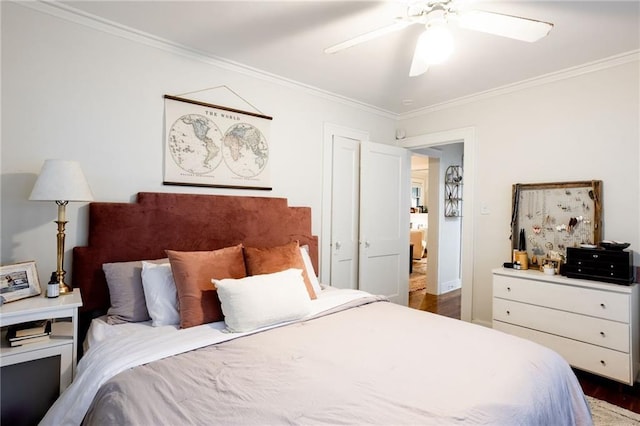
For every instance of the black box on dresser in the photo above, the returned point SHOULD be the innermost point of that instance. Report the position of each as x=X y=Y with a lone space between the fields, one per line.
x=613 y=266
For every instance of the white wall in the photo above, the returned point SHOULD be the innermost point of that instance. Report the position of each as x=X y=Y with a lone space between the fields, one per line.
x=450 y=227
x=582 y=127
x=74 y=91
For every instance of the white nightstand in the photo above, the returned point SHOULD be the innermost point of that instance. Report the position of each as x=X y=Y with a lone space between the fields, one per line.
x=63 y=342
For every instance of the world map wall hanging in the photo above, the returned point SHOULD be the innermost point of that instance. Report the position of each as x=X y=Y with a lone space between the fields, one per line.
x=211 y=145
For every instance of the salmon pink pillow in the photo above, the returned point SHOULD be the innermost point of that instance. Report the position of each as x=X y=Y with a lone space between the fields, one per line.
x=193 y=271
x=275 y=259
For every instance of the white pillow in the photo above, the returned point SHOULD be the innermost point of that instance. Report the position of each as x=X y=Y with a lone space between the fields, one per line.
x=160 y=294
x=304 y=251
x=262 y=300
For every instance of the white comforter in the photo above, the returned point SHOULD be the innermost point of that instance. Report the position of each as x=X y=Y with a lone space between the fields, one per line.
x=475 y=375
x=118 y=351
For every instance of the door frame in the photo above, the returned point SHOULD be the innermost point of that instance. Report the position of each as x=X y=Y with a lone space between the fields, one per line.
x=329 y=131
x=466 y=135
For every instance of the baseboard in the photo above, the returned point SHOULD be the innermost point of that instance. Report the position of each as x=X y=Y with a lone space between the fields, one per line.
x=482 y=323
x=451 y=285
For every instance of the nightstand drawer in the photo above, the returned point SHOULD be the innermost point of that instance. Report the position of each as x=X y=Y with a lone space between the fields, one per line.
x=596 y=331
x=592 y=302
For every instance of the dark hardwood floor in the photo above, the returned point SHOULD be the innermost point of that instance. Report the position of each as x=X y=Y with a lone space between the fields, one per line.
x=608 y=390
x=616 y=393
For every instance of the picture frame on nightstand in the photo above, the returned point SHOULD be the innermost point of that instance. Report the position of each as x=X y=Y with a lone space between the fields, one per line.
x=19 y=281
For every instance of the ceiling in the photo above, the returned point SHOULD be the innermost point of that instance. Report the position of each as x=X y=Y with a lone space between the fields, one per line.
x=287 y=38
x=419 y=162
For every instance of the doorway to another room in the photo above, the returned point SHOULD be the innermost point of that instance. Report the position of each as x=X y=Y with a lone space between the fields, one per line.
x=435 y=280
x=419 y=226
x=437 y=246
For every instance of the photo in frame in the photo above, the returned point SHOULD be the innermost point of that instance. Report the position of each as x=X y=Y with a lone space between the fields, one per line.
x=554 y=216
x=211 y=145
x=19 y=281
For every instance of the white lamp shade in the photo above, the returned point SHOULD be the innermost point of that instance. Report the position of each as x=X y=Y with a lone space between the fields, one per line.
x=61 y=180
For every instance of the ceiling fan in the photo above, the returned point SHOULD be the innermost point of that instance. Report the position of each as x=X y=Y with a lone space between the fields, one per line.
x=435 y=44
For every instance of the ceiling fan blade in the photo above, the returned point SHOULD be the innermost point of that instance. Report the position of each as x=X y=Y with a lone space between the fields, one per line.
x=396 y=26
x=418 y=66
x=504 y=25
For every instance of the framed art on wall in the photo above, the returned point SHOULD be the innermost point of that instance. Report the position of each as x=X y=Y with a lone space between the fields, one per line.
x=549 y=217
x=211 y=145
x=18 y=281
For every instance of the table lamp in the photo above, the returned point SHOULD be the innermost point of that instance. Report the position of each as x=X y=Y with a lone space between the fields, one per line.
x=61 y=181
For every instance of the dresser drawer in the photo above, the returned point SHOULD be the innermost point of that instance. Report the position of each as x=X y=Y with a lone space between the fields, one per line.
x=596 y=331
x=605 y=270
x=577 y=255
x=592 y=302
x=604 y=362
x=617 y=276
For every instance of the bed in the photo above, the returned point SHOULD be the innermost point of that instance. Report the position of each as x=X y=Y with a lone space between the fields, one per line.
x=287 y=349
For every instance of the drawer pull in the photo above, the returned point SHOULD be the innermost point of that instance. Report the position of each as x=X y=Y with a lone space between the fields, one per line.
x=603 y=363
x=508 y=288
x=602 y=305
x=508 y=312
x=602 y=334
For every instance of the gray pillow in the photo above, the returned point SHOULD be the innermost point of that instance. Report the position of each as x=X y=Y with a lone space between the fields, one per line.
x=124 y=280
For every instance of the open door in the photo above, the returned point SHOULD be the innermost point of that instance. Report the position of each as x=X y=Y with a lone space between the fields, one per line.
x=384 y=221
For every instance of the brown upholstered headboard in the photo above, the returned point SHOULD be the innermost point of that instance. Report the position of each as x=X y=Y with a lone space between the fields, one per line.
x=121 y=232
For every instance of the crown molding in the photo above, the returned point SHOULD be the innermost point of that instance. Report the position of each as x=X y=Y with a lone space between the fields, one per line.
x=74 y=15
x=610 y=62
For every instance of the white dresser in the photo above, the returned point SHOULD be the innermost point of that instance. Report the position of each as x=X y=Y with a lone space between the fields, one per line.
x=593 y=325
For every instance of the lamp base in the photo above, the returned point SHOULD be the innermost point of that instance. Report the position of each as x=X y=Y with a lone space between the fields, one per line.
x=65 y=289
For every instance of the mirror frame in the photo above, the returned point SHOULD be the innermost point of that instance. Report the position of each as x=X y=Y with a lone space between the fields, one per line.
x=555 y=216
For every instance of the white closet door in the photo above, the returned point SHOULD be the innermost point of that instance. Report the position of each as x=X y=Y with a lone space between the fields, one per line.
x=345 y=196
x=384 y=221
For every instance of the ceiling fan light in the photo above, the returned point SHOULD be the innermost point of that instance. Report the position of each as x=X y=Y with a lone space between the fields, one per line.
x=435 y=45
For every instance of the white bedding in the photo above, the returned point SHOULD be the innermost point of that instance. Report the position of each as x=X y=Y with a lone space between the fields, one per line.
x=501 y=377
x=110 y=352
x=100 y=329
